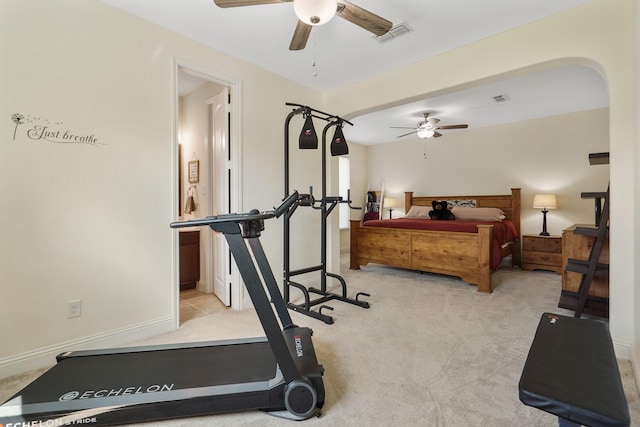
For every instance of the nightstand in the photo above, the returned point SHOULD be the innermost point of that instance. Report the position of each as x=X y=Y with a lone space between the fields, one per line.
x=542 y=253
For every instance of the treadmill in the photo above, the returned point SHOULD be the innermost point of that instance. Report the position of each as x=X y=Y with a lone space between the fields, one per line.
x=138 y=384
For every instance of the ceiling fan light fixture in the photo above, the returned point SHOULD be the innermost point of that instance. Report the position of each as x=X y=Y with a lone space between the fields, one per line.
x=315 y=12
x=425 y=133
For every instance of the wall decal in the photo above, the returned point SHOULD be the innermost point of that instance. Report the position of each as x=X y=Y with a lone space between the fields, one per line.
x=41 y=129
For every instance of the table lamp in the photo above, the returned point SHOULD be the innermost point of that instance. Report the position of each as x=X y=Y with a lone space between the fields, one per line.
x=389 y=203
x=544 y=202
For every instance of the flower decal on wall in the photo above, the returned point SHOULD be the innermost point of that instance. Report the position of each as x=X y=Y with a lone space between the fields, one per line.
x=18 y=119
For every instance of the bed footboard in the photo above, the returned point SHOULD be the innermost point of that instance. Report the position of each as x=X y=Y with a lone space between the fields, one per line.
x=465 y=255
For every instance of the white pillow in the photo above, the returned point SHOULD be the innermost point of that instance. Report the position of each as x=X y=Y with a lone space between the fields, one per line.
x=418 y=212
x=478 y=214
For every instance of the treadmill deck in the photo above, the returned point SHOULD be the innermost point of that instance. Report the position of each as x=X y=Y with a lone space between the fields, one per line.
x=129 y=377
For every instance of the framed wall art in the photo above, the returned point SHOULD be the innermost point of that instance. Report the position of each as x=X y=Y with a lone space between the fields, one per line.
x=194 y=171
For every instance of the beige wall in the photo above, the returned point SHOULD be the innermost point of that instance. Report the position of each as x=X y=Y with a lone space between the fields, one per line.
x=92 y=222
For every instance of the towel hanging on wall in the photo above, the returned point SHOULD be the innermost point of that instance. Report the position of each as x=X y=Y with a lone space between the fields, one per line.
x=190 y=203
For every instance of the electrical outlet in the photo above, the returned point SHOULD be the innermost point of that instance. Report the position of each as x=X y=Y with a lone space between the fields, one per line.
x=74 y=308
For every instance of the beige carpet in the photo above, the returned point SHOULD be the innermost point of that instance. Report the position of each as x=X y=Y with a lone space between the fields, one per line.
x=429 y=352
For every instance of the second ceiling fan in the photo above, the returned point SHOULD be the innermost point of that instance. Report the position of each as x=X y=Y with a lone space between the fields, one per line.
x=318 y=12
x=428 y=128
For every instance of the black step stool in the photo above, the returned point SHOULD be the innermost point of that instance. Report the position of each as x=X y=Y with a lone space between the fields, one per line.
x=571 y=371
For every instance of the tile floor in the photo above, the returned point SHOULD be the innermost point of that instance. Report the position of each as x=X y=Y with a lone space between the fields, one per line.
x=194 y=304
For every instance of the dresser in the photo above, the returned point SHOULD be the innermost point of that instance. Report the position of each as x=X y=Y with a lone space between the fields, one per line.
x=189 y=259
x=542 y=253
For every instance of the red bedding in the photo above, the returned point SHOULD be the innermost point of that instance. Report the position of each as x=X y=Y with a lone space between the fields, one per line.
x=503 y=231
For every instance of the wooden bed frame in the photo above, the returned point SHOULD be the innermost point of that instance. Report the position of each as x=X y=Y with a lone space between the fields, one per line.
x=465 y=255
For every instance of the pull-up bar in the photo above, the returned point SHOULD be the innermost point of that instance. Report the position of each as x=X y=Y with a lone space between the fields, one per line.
x=308 y=137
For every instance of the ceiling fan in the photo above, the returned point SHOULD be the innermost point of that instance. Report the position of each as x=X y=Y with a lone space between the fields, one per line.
x=318 y=12
x=428 y=128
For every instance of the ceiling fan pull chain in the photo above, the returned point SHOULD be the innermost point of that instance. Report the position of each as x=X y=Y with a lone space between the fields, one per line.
x=313 y=64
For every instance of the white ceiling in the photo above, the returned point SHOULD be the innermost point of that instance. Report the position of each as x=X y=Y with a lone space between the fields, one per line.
x=344 y=53
x=546 y=93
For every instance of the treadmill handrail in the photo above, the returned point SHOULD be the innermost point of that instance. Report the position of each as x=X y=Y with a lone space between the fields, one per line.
x=241 y=217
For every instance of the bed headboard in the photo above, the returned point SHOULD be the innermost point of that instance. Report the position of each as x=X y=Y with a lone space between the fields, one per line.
x=509 y=203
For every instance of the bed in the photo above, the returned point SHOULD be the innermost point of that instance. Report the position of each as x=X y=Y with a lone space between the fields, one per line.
x=472 y=254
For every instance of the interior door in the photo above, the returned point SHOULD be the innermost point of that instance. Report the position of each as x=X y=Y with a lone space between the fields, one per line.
x=220 y=187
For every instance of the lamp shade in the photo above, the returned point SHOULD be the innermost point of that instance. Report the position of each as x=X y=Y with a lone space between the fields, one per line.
x=315 y=12
x=545 y=201
x=389 y=202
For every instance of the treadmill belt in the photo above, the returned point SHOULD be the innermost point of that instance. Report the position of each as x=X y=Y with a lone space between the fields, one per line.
x=152 y=371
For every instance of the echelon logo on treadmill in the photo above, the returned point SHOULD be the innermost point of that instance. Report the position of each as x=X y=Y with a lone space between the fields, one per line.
x=69 y=396
x=298 y=341
x=93 y=394
x=57 y=422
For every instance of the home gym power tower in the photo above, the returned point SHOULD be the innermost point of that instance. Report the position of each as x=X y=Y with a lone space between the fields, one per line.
x=309 y=140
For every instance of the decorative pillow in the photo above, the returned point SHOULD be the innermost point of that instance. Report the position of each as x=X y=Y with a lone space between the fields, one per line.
x=463 y=203
x=370 y=215
x=479 y=214
x=419 y=212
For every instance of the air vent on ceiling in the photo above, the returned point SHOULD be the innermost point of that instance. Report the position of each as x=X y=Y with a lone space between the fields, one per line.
x=500 y=98
x=396 y=31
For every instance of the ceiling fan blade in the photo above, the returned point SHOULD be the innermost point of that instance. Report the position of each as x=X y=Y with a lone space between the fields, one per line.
x=436 y=134
x=401 y=127
x=363 y=18
x=239 y=3
x=453 y=127
x=406 y=134
x=300 y=36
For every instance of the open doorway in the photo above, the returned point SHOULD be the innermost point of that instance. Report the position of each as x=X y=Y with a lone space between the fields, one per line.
x=208 y=184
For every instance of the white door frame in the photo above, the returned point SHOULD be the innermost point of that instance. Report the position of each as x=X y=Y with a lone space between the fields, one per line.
x=235 y=141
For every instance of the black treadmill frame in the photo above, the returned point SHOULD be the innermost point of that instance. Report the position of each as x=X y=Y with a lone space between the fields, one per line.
x=297 y=378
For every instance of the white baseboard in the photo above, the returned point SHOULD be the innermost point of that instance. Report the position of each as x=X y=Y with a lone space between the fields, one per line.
x=635 y=364
x=46 y=356
x=622 y=350
x=629 y=352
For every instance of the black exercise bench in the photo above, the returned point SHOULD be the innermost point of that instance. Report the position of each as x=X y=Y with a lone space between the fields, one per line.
x=571 y=371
